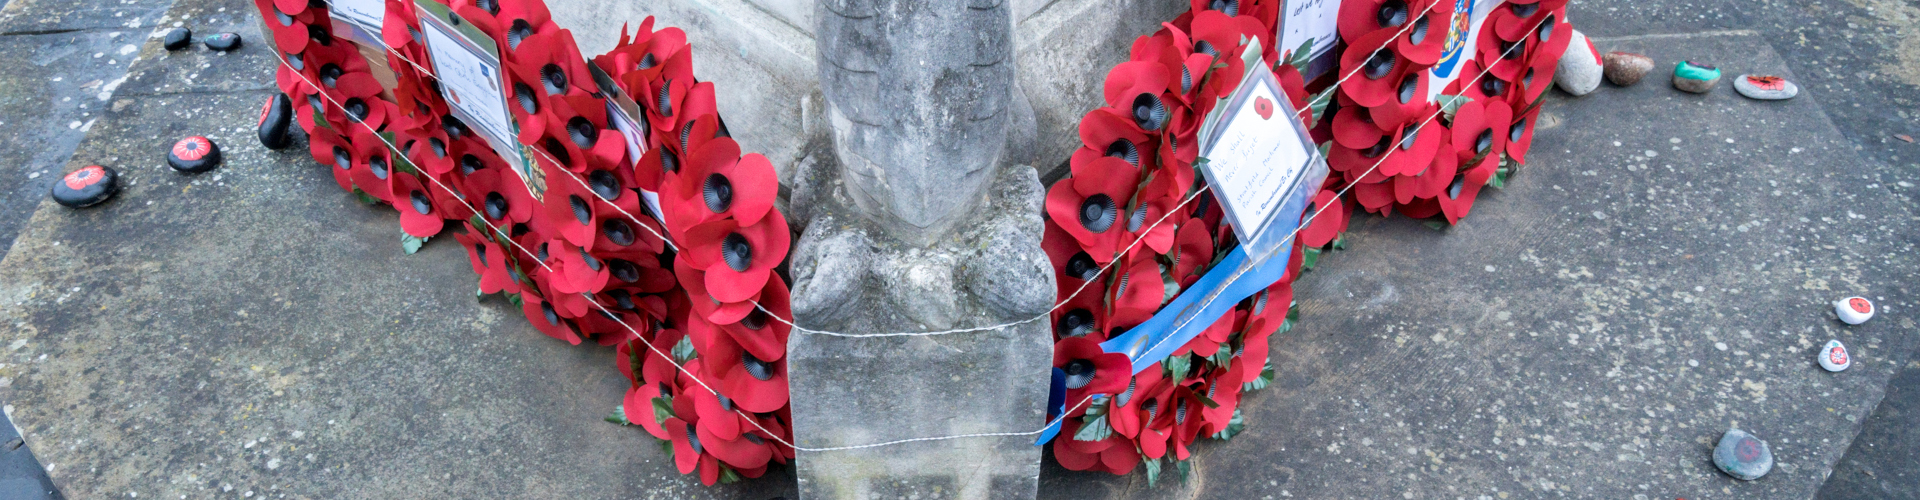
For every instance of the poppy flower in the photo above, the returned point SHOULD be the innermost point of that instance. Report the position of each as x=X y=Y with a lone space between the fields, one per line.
x=746 y=451
x=645 y=56
x=577 y=270
x=419 y=214
x=522 y=19
x=756 y=385
x=1089 y=204
x=1358 y=18
x=702 y=302
x=672 y=102
x=490 y=261
x=1408 y=103
x=373 y=165
x=737 y=259
x=1486 y=88
x=1520 y=134
x=1114 y=455
x=1417 y=143
x=1223 y=387
x=1330 y=215
x=1374 y=197
x=1129 y=413
x=655 y=367
x=640 y=270
x=547 y=319
x=1379 y=73
x=690 y=453
x=1106 y=132
x=1457 y=201
x=1353 y=128
x=290 y=29
x=761 y=333
x=555 y=58
x=328 y=148
x=574 y=210
x=1431 y=180
x=1191 y=254
x=718 y=182
x=1137 y=289
x=1089 y=369
x=1426 y=40
x=1480 y=127
x=481 y=14
x=1517 y=18
x=1137 y=87
x=358 y=95
x=608 y=327
x=502 y=198
x=1501 y=58
x=638 y=407
x=1213 y=336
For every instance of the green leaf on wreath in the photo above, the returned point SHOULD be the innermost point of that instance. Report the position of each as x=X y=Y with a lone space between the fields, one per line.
x=1203 y=399
x=1099 y=405
x=1435 y=225
x=1093 y=429
x=1185 y=467
x=1222 y=358
x=364 y=197
x=1450 y=104
x=728 y=476
x=1261 y=382
x=619 y=416
x=1340 y=242
x=1302 y=56
x=1319 y=102
x=1309 y=258
x=1233 y=427
x=516 y=300
x=683 y=351
x=1153 y=471
x=410 y=243
x=662 y=409
x=1293 y=311
x=1285 y=326
x=1177 y=367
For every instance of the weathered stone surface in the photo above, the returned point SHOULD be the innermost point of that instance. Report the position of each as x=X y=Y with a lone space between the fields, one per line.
x=1592 y=329
x=1626 y=68
x=918 y=98
x=850 y=277
x=1579 y=69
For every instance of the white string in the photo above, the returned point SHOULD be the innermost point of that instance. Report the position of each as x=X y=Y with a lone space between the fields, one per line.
x=775 y=436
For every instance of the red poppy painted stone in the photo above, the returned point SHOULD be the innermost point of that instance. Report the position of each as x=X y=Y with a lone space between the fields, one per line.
x=276 y=122
x=86 y=187
x=194 y=155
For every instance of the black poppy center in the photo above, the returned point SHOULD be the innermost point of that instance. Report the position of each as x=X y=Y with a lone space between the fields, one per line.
x=1079 y=373
x=454 y=128
x=378 y=165
x=663 y=103
x=669 y=162
x=496 y=206
x=604 y=184
x=718 y=192
x=1453 y=189
x=1082 y=266
x=1483 y=142
x=1379 y=148
x=285 y=20
x=1407 y=87
x=1419 y=33
x=519 y=32
x=1546 y=28
x=1097 y=213
x=624 y=270
x=593 y=264
x=647 y=61
x=524 y=94
x=755 y=320
x=1493 y=87
x=1407 y=141
x=1523 y=9
x=1202 y=47
x=1148 y=112
x=342 y=159
x=1075 y=323
x=298 y=63
x=617 y=231
x=554 y=79
x=420 y=202
x=557 y=150
x=759 y=370
x=356 y=109
x=1228 y=7
x=480 y=251
x=470 y=164
x=583 y=132
x=737 y=251
x=546 y=309
x=621 y=298
x=439 y=146
x=1125 y=150
x=1139 y=217
x=491 y=6
x=330 y=74
x=319 y=35
x=1393 y=13
x=581 y=210
x=1379 y=64
x=1518 y=128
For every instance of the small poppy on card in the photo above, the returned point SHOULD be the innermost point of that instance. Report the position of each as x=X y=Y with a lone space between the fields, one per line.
x=1263 y=106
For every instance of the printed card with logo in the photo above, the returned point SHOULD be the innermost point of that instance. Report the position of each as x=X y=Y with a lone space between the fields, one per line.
x=467 y=63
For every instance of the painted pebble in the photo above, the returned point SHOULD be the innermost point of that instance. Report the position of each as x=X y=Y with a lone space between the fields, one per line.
x=1579 y=67
x=194 y=155
x=1696 y=78
x=1765 y=87
x=276 y=122
x=1834 y=356
x=1626 y=68
x=1854 y=310
x=1742 y=456
x=86 y=187
x=177 y=38
x=224 y=42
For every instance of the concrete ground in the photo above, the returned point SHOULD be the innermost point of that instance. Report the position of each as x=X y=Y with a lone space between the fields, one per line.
x=1587 y=333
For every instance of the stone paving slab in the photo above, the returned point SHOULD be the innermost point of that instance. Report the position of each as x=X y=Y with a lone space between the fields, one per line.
x=1661 y=272
x=256 y=330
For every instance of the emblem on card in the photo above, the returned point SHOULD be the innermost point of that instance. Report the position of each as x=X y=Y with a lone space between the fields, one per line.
x=1263 y=106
